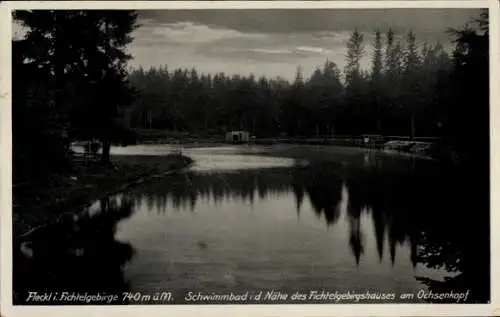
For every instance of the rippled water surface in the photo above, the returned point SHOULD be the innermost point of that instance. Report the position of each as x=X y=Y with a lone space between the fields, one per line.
x=247 y=219
x=299 y=218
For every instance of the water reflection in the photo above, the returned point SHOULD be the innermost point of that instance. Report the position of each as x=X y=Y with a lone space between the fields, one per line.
x=439 y=215
x=74 y=255
x=425 y=212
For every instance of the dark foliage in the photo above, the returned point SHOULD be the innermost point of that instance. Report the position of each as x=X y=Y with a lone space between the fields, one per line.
x=70 y=82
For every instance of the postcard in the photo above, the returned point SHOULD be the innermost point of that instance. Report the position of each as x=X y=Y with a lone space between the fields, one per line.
x=323 y=158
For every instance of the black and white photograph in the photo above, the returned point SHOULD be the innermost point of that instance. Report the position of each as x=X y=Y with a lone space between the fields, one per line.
x=250 y=156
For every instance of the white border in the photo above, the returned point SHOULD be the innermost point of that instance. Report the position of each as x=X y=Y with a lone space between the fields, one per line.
x=278 y=4
x=6 y=307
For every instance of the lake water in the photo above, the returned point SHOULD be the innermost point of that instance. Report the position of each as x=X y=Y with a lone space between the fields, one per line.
x=291 y=219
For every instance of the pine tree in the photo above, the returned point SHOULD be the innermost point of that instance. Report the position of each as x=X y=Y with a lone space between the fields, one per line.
x=376 y=78
x=411 y=57
x=391 y=81
x=413 y=81
x=355 y=51
x=470 y=81
x=354 y=78
x=389 y=47
x=109 y=34
x=84 y=51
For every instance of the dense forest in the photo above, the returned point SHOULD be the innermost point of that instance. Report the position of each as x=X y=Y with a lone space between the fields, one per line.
x=410 y=90
x=403 y=87
x=71 y=82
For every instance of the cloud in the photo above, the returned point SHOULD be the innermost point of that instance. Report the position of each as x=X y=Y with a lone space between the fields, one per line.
x=250 y=55
x=271 y=51
x=271 y=42
x=311 y=49
x=334 y=36
x=317 y=20
x=190 y=33
x=208 y=47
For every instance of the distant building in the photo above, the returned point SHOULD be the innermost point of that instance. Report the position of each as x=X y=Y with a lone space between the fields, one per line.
x=237 y=136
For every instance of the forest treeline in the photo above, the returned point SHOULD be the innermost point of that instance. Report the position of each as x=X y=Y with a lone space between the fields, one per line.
x=412 y=89
x=71 y=82
x=404 y=86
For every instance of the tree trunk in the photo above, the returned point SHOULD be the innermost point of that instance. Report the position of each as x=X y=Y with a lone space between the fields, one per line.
x=206 y=120
x=379 y=119
x=106 y=147
x=58 y=62
x=412 y=120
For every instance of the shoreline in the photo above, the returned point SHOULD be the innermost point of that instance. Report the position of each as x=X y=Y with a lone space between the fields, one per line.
x=434 y=152
x=71 y=194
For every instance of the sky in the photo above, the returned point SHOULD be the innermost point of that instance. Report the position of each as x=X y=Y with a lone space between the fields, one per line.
x=275 y=42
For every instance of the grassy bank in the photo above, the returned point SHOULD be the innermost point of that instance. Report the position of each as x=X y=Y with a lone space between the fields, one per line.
x=37 y=204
